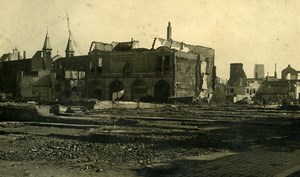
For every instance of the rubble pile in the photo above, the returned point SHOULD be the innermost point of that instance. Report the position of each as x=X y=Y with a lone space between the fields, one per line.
x=129 y=139
x=59 y=151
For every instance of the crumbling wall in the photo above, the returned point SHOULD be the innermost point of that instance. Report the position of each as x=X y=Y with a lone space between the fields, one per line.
x=36 y=86
x=185 y=75
x=297 y=90
x=207 y=60
x=20 y=113
x=206 y=56
x=237 y=75
x=135 y=62
x=100 y=46
x=26 y=86
x=37 y=62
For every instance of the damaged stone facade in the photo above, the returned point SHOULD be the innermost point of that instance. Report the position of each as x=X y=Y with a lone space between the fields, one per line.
x=115 y=71
x=125 y=72
x=139 y=75
x=198 y=67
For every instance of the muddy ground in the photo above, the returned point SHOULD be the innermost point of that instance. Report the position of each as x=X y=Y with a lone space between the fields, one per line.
x=175 y=140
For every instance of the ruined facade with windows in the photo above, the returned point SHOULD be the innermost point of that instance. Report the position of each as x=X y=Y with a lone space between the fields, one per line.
x=287 y=88
x=120 y=71
x=123 y=71
x=269 y=89
x=28 y=78
x=239 y=87
x=136 y=74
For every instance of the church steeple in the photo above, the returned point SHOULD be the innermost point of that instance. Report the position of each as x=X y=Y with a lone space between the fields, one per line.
x=69 y=50
x=47 y=47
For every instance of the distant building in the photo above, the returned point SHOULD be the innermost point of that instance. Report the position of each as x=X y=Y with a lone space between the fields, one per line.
x=240 y=87
x=287 y=88
x=274 y=91
x=297 y=90
x=237 y=75
x=15 y=55
x=274 y=77
x=271 y=78
x=236 y=83
x=259 y=71
x=28 y=78
x=290 y=73
x=252 y=87
x=248 y=91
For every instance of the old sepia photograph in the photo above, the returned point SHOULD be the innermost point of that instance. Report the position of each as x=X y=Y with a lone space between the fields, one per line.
x=149 y=88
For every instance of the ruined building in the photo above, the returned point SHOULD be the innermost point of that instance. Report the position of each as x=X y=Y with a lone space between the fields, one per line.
x=290 y=73
x=259 y=71
x=28 y=78
x=15 y=55
x=240 y=87
x=122 y=70
x=119 y=71
x=237 y=75
x=270 y=89
x=288 y=88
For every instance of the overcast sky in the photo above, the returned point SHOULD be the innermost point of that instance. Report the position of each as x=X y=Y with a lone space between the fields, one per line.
x=250 y=32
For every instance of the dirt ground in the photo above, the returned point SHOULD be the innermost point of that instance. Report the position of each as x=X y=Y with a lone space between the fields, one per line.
x=175 y=140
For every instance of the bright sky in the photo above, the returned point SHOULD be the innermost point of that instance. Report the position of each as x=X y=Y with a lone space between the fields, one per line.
x=250 y=32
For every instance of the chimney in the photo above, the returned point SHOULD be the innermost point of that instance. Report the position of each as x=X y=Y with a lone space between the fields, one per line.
x=275 y=72
x=19 y=56
x=24 y=54
x=169 y=31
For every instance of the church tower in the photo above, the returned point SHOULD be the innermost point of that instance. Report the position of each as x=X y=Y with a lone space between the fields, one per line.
x=47 y=47
x=69 y=50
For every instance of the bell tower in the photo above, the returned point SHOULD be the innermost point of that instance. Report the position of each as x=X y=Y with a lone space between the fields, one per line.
x=69 y=49
x=47 y=47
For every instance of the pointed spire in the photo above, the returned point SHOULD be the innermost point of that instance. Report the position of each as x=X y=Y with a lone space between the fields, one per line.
x=70 y=45
x=69 y=49
x=47 y=45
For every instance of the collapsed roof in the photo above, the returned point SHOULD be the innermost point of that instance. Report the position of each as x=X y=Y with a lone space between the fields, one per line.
x=114 y=46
